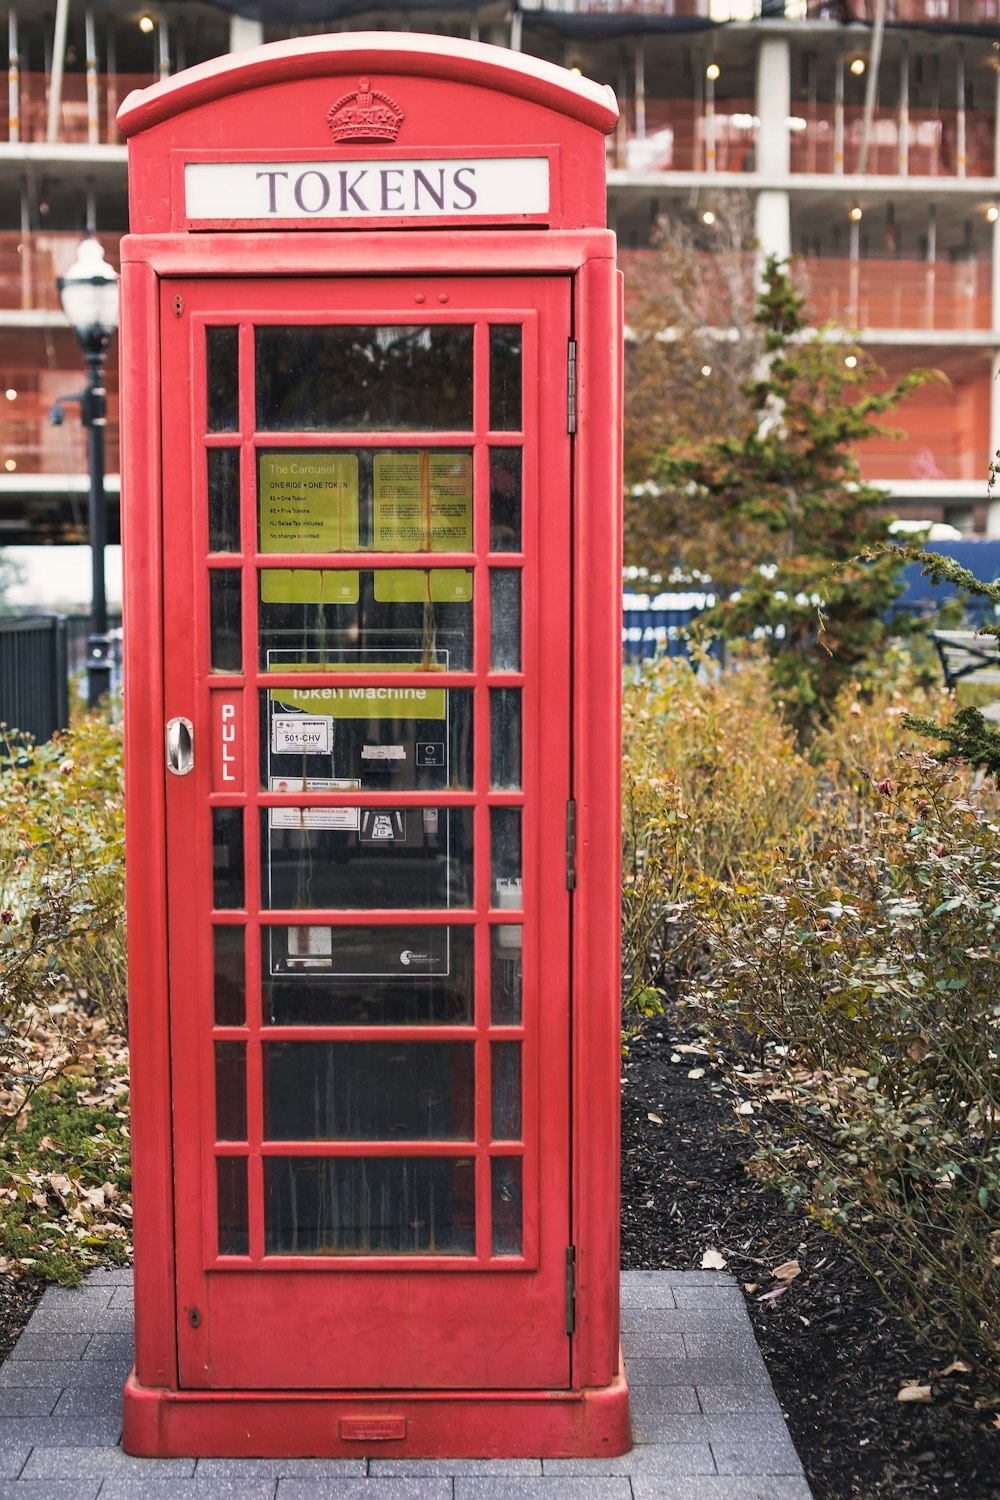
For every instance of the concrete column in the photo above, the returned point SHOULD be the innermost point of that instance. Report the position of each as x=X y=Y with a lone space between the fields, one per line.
x=13 y=78
x=903 y=126
x=774 y=105
x=993 y=508
x=244 y=33
x=960 y=149
x=838 y=114
x=773 y=224
x=640 y=90
x=773 y=155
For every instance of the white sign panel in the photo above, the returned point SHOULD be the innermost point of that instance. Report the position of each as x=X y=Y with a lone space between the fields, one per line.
x=301 y=734
x=463 y=187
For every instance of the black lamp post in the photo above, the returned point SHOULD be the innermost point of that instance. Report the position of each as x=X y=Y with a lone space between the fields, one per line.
x=89 y=296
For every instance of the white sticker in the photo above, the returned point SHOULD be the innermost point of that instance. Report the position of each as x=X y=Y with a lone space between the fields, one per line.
x=301 y=734
x=383 y=752
x=310 y=947
x=344 y=819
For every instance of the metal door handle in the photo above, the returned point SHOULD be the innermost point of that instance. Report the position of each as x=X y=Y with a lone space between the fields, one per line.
x=180 y=746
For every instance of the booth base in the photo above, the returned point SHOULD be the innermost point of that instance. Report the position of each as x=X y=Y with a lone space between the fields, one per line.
x=592 y=1423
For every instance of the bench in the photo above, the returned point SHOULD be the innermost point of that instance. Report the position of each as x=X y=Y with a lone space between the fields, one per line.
x=967 y=656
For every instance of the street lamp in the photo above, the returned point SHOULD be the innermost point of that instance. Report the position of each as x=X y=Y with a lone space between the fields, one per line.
x=89 y=296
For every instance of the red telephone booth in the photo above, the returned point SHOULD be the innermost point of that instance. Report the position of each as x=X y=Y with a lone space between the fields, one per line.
x=371 y=359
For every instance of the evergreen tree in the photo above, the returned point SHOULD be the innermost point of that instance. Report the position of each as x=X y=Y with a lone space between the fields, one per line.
x=779 y=511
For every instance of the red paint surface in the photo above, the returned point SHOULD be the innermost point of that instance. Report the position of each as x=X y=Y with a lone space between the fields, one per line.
x=237 y=1353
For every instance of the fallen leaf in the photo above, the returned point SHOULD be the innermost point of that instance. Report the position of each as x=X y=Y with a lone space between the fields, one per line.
x=915 y=1393
x=744 y=1108
x=713 y=1261
x=750 y=1287
x=957 y=1367
x=655 y=1119
x=787 y=1271
x=774 y=1294
x=696 y=1073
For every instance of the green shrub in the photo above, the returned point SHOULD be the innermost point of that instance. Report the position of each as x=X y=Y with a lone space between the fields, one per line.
x=856 y=998
x=61 y=890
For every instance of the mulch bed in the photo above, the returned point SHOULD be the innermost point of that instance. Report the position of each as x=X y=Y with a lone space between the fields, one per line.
x=836 y=1353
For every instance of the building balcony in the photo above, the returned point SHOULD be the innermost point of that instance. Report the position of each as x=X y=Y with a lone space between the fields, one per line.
x=901 y=12
x=30 y=265
x=82 y=121
x=680 y=136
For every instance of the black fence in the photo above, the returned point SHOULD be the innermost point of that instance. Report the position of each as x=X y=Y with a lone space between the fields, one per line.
x=34 y=675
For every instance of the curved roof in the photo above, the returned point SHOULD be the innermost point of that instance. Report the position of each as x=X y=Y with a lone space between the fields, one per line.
x=411 y=53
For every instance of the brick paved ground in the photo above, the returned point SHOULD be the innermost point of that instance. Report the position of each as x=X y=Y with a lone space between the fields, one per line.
x=706 y=1424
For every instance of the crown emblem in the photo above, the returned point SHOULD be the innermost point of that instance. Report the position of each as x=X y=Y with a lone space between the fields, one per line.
x=365 y=116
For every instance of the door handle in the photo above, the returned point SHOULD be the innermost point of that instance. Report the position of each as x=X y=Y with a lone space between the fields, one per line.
x=180 y=746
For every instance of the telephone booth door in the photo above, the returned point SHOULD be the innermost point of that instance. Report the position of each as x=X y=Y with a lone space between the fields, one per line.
x=366 y=522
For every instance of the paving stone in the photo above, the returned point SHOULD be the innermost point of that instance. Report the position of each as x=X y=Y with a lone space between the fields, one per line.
x=753 y=1454
x=60 y=1372
x=87 y=1462
x=365 y=1489
x=728 y=1341
x=110 y=1276
x=118 y=1346
x=123 y=1296
x=670 y=1399
x=720 y=1279
x=13 y=1457
x=591 y=1487
x=719 y=1487
x=652 y=1345
x=76 y=1297
x=676 y=1458
x=50 y=1489
x=240 y=1468
x=729 y=1296
x=382 y=1467
x=61 y=1432
x=718 y=1312
x=83 y=1317
x=168 y=1487
x=33 y=1346
x=29 y=1400
x=317 y=1468
x=87 y=1401
x=696 y=1372
x=718 y=1397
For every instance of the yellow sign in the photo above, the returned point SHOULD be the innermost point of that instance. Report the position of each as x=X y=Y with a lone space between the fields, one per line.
x=308 y=586
x=366 y=701
x=423 y=585
x=308 y=502
x=423 y=502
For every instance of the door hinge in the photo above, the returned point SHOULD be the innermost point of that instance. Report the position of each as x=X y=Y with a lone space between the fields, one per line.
x=571 y=386
x=571 y=1289
x=571 y=844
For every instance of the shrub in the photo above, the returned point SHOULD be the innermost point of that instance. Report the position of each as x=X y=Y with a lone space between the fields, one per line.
x=855 y=995
x=61 y=891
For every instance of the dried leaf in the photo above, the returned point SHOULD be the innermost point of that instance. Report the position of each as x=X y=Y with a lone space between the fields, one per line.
x=713 y=1261
x=655 y=1118
x=957 y=1367
x=915 y=1393
x=787 y=1271
x=696 y=1073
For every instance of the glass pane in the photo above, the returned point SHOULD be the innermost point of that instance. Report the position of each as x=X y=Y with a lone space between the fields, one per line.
x=234 y=1218
x=367 y=976
x=225 y=600
x=505 y=499
x=223 y=499
x=505 y=857
x=369 y=1091
x=227 y=858
x=505 y=377
x=364 y=379
x=222 y=357
x=230 y=1091
x=369 y=1206
x=505 y=619
x=370 y=857
x=505 y=739
x=507 y=1232
x=230 y=976
x=351 y=500
x=505 y=974
x=413 y=619
x=422 y=741
x=505 y=1060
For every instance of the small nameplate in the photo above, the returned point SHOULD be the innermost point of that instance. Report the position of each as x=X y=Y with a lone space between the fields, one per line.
x=372 y=1429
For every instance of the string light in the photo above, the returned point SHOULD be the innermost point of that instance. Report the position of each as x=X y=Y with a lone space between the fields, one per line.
x=146 y=24
x=708 y=217
x=858 y=66
x=993 y=213
x=856 y=213
x=712 y=71
x=10 y=393
x=851 y=361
